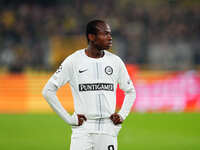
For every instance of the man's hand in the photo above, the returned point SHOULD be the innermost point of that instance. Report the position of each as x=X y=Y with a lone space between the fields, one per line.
x=116 y=118
x=81 y=119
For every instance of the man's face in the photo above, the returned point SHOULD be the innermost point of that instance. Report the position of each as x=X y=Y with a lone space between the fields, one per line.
x=103 y=38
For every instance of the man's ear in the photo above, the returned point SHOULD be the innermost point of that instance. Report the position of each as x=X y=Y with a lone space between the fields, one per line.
x=91 y=37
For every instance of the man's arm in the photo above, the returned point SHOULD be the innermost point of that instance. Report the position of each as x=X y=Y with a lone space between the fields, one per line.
x=49 y=93
x=126 y=85
x=129 y=99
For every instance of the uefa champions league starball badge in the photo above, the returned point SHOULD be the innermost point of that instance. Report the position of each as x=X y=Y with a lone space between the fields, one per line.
x=59 y=69
x=109 y=70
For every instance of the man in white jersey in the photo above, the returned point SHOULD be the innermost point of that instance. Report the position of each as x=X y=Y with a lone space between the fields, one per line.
x=93 y=74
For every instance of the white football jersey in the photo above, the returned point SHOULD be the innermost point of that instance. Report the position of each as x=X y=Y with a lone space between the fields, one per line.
x=93 y=82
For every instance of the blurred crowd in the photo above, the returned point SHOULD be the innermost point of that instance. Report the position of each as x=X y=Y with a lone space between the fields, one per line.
x=152 y=34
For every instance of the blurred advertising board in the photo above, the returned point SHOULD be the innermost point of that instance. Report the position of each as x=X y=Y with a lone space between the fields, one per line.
x=156 y=92
x=165 y=92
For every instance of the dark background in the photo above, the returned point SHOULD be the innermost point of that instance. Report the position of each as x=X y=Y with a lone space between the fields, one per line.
x=152 y=34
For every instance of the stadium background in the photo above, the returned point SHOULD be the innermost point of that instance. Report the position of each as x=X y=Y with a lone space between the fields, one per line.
x=158 y=40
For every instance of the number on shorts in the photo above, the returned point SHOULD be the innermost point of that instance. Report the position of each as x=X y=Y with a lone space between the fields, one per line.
x=111 y=147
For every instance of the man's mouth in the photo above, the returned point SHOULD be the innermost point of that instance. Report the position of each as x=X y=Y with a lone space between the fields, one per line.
x=110 y=43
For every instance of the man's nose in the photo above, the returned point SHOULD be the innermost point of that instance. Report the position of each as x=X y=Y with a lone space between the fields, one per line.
x=110 y=37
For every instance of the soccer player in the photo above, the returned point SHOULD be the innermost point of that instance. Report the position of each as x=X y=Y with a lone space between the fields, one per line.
x=93 y=74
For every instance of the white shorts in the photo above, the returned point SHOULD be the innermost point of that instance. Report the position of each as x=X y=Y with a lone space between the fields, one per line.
x=93 y=141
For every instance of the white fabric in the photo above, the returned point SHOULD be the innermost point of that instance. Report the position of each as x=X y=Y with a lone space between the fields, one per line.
x=49 y=93
x=91 y=141
x=93 y=83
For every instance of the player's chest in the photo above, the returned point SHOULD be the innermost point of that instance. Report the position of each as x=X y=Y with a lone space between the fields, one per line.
x=96 y=71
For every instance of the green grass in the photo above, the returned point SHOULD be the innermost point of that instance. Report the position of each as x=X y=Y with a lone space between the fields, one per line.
x=169 y=131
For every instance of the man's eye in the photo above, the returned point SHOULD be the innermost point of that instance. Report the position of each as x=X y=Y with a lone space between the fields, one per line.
x=108 y=33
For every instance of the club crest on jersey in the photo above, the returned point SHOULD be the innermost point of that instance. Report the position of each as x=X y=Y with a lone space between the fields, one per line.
x=108 y=70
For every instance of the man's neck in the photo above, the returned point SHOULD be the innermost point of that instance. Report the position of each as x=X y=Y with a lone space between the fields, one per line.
x=94 y=52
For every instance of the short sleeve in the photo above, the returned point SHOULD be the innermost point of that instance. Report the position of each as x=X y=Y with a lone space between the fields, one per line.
x=63 y=74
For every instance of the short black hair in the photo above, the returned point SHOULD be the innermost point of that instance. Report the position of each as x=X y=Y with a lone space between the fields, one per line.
x=92 y=27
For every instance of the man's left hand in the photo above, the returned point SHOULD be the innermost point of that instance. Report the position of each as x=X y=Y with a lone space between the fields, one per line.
x=116 y=118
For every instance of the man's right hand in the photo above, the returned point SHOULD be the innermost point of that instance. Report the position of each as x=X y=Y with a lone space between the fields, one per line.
x=81 y=119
